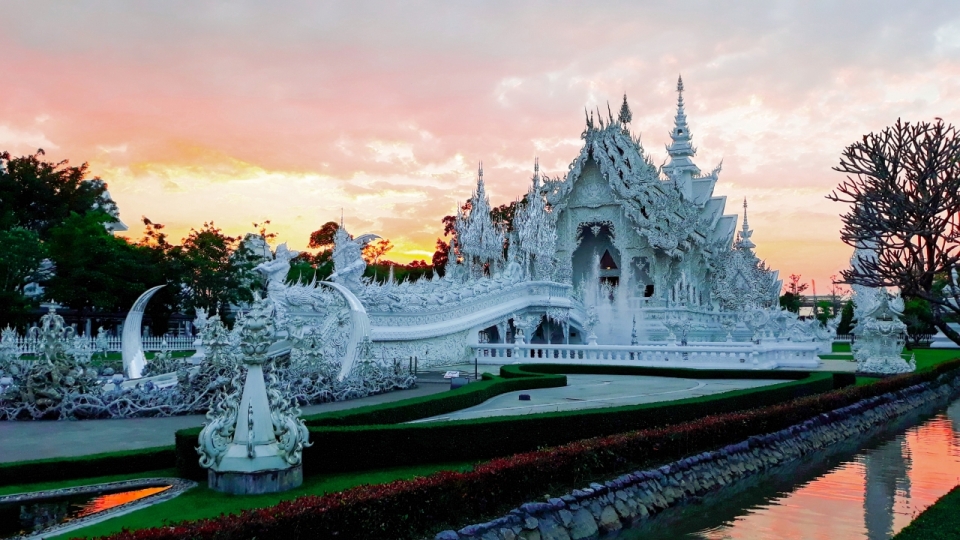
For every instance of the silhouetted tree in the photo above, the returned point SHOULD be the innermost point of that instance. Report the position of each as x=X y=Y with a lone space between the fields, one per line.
x=903 y=188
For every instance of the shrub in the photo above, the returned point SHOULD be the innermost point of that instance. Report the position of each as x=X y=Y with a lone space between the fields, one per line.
x=50 y=470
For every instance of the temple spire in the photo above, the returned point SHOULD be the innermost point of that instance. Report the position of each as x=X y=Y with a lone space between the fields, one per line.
x=625 y=116
x=744 y=241
x=680 y=167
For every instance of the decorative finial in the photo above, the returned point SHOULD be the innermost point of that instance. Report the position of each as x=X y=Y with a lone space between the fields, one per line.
x=680 y=84
x=625 y=115
x=744 y=240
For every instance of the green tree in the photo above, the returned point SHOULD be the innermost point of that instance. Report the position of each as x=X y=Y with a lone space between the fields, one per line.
x=21 y=257
x=39 y=195
x=823 y=311
x=918 y=316
x=213 y=278
x=791 y=302
x=164 y=260
x=322 y=238
x=94 y=270
x=903 y=188
x=845 y=326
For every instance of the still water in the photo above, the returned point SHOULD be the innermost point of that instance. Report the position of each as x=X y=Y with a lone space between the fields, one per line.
x=870 y=489
x=32 y=516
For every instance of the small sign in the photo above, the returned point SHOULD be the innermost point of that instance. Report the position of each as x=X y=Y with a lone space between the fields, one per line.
x=451 y=375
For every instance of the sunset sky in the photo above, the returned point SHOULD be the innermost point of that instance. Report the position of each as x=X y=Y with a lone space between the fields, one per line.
x=241 y=112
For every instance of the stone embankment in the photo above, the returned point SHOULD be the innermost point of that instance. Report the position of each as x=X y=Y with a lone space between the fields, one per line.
x=604 y=509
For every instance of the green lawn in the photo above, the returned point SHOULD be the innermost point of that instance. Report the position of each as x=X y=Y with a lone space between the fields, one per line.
x=202 y=502
x=941 y=521
x=841 y=347
x=926 y=358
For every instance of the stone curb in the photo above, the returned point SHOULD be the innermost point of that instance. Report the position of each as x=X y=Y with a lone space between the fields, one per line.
x=604 y=509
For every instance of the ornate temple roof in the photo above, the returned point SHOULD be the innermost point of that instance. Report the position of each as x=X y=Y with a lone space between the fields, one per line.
x=673 y=207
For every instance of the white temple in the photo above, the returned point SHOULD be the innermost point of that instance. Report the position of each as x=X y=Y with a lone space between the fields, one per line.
x=619 y=261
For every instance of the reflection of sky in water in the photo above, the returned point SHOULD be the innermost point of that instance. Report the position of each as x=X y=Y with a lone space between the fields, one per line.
x=104 y=502
x=871 y=495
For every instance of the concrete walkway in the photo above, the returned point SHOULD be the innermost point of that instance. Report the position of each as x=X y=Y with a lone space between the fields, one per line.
x=597 y=391
x=41 y=440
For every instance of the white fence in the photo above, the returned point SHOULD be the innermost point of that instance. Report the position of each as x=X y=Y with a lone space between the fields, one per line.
x=28 y=345
x=729 y=355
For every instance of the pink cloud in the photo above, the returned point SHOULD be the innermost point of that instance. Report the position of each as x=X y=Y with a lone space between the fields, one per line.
x=239 y=112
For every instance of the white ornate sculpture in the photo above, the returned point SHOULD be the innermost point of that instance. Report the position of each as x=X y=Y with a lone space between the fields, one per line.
x=536 y=233
x=348 y=263
x=132 y=346
x=480 y=241
x=743 y=281
x=254 y=445
x=275 y=269
x=880 y=334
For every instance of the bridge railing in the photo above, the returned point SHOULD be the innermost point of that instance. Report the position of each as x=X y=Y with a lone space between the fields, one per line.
x=721 y=354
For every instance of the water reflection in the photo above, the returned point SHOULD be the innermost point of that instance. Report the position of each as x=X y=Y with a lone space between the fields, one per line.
x=866 y=489
x=33 y=516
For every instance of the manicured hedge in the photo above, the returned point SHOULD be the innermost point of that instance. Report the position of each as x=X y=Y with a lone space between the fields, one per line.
x=413 y=508
x=361 y=447
x=50 y=470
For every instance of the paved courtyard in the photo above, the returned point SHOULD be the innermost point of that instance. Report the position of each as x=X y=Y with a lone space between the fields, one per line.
x=596 y=391
x=40 y=440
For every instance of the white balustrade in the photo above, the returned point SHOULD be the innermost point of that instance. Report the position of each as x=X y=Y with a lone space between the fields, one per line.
x=27 y=345
x=730 y=355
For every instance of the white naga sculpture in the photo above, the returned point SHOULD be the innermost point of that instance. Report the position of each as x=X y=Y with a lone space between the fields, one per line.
x=254 y=440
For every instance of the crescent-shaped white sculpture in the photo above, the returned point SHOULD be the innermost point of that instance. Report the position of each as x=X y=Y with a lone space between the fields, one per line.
x=360 y=328
x=131 y=346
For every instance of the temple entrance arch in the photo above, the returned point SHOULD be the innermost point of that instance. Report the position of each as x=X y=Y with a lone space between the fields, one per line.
x=595 y=255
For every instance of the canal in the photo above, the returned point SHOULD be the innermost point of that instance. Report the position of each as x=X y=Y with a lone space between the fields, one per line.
x=869 y=488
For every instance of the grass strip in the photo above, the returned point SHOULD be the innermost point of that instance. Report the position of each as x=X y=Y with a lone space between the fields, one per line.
x=940 y=521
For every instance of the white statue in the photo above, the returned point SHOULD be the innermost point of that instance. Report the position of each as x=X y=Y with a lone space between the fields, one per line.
x=880 y=334
x=275 y=270
x=254 y=445
x=348 y=263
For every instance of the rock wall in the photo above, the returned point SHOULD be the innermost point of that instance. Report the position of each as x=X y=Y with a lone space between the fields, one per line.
x=604 y=509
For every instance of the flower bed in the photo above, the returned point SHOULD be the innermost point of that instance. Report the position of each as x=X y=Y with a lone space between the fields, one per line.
x=415 y=507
